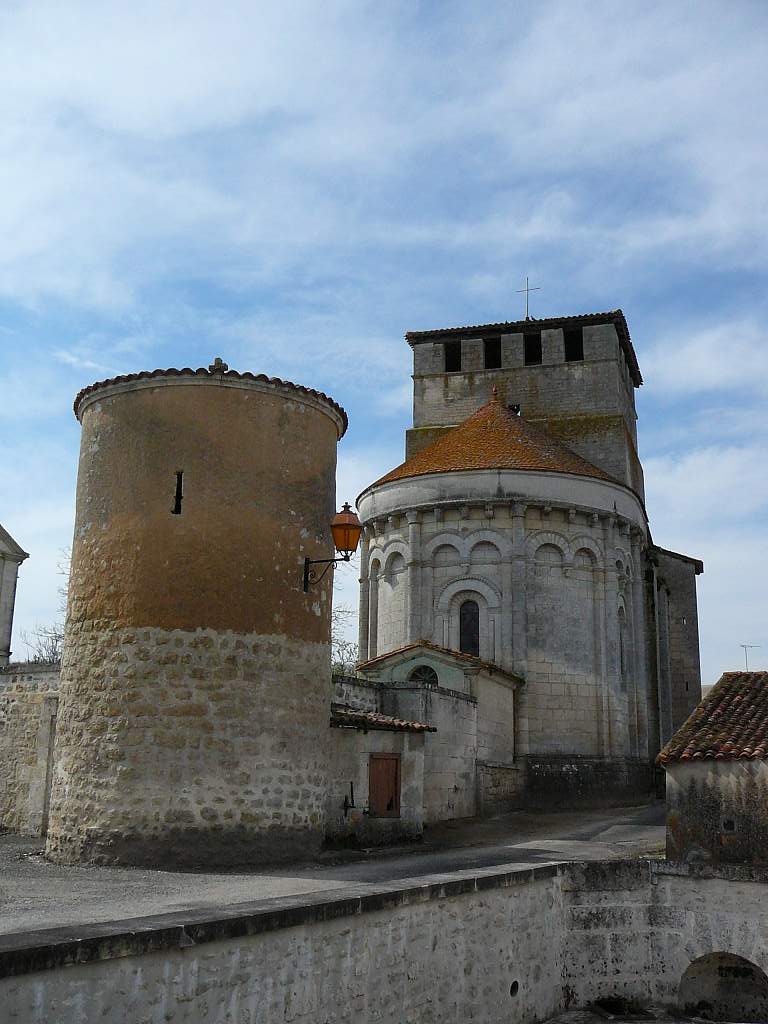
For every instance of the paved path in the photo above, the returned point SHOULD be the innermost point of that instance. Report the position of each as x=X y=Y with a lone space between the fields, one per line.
x=35 y=894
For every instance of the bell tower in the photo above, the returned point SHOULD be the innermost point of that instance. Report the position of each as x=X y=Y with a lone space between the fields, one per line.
x=575 y=376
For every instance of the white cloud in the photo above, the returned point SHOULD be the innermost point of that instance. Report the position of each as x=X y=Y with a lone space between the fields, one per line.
x=726 y=356
x=143 y=140
x=712 y=504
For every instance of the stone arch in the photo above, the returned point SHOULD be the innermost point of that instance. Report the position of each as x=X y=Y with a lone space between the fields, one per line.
x=424 y=673
x=395 y=563
x=441 y=557
x=495 y=537
x=542 y=537
x=584 y=558
x=548 y=554
x=487 y=591
x=484 y=552
x=724 y=986
x=447 y=619
x=583 y=543
x=450 y=537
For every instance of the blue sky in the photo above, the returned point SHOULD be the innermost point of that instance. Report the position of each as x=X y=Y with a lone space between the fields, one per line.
x=294 y=185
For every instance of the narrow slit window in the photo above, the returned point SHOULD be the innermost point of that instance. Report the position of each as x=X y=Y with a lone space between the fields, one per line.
x=532 y=348
x=452 y=356
x=492 y=353
x=179 y=496
x=574 y=345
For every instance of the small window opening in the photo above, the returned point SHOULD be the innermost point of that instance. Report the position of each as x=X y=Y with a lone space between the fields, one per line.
x=514 y=988
x=492 y=353
x=179 y=497
x=532 y=348
x=452 y=356
x=574 y=345
x=469 y=628
x=729 y=825
x=424 y=674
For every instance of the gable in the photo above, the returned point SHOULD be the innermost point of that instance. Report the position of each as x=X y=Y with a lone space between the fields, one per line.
x=9 y=548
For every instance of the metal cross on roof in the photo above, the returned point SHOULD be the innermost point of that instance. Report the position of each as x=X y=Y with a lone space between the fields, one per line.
x=527 y=289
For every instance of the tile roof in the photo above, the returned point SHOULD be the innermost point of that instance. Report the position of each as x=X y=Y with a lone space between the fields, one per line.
x=212 y=371
x=730 y=724
x=494 y=437
x=344 y=716
x=491 y=666
x=612 y=316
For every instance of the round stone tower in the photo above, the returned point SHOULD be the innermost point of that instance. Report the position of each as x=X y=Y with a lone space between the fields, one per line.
x=194 y=711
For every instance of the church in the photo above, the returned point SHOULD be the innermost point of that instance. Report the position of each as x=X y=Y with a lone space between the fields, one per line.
x=509 y=560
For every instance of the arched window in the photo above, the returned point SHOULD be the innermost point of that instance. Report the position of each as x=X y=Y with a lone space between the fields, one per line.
x=424 y=674
x=469 y=628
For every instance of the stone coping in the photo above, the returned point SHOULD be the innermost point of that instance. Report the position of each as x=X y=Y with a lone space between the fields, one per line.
x=54 y=948
x=220 y=376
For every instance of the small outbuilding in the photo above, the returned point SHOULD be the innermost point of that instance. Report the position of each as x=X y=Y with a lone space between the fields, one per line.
x=717 y=776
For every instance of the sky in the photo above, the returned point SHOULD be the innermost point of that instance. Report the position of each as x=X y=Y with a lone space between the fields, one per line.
x=294 y=185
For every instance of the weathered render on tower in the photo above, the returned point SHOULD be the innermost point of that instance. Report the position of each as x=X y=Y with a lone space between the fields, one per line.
x=195 y=684
x=515 y=532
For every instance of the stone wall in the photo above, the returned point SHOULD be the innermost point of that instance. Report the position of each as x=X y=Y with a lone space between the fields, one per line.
x=489 y=946
x=195 y=686
x=679 y=577
x=717 y=812
x=183 y=740
x=28 y=706
x=348 y=775
x=450 y=753
x=588 y=404
x=560 y=593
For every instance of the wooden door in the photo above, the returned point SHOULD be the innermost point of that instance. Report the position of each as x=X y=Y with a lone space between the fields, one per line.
x=384 y=785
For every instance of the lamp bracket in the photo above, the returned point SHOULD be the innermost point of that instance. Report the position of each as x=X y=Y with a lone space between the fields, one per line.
x=312 y=576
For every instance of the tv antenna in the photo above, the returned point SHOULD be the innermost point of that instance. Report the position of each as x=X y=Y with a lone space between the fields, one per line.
x=747 y=649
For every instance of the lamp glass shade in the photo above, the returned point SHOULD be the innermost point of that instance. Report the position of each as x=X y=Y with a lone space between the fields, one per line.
x=346 y=529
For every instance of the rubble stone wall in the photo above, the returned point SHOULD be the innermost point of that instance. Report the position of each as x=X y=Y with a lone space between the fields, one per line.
x=28 y=705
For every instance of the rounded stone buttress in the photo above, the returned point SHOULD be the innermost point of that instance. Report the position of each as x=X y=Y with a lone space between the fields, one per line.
x=193 y=719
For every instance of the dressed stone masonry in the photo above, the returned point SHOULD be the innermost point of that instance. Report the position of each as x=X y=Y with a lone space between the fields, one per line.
x=498 y=539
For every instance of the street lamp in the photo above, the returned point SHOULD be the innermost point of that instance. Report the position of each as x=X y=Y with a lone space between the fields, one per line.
x=346 y=529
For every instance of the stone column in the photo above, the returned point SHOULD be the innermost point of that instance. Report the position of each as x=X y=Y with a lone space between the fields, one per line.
x=517 y=657
x=373 y=617
x=613 y=726
x=640 y=664
x=517 y=586
x=414 y=577
x=362 y=645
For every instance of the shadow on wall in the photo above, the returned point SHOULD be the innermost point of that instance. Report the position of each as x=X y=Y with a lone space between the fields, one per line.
x=723 y=986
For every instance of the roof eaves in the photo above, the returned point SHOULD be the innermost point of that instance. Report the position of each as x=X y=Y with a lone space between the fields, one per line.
x=203 y=371
x=614 y=316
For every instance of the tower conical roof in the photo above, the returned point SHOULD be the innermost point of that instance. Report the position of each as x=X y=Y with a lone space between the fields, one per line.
x=495 y=437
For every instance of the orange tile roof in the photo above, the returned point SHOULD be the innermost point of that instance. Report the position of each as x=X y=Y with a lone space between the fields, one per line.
x=730 y=724
x=344 y=716
x=495 y=437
